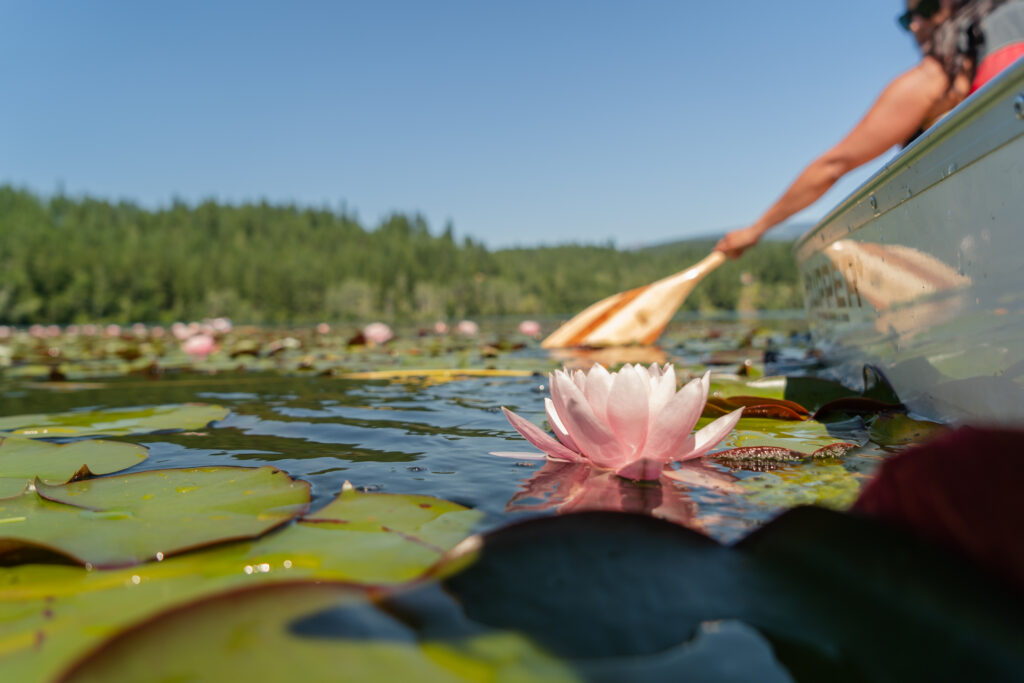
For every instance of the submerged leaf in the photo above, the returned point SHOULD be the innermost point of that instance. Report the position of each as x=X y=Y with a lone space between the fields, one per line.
x=819 y=483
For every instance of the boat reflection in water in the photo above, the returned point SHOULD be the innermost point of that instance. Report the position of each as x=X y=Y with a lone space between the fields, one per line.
x=919 y=271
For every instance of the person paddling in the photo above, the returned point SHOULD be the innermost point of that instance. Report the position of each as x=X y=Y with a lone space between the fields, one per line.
x=964 y=44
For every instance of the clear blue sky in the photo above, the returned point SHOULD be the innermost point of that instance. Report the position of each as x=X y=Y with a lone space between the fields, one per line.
x=521 y=121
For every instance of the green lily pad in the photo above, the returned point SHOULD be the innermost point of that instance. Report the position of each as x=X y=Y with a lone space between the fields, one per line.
x=270 y=633
x=127 y=519
x=51 y=614
x=22 y=460
x=115 y=421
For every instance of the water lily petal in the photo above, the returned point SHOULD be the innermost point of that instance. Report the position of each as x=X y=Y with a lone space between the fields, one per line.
x=558 y=427
x=711 y=435
x=673 y=424
x=628 y=408
x=580 y=379
x=644 y=469
x=596 y=441
x=599 y=385
x=663 y=388
x=539 y=438
x=643 y=374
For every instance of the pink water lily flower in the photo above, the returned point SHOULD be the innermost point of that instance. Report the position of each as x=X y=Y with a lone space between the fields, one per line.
x=632 y=422
x=199 y=345
x=531 y=328
x=378 y=333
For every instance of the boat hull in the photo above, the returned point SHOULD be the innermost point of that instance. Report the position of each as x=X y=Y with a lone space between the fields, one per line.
x=919 y=272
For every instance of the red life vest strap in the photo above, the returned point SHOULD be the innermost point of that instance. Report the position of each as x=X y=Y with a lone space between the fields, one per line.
x=996 y=62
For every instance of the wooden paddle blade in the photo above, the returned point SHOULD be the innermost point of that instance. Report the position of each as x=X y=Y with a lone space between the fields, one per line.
x=637 y=316
x=574 y=330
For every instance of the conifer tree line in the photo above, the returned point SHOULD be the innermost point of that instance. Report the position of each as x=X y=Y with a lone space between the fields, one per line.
x=73 y=260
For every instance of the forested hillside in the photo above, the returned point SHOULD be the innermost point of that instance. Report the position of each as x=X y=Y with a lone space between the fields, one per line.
x=69 y=260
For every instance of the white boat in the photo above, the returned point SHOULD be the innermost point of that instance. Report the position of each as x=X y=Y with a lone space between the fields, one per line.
x=920 y=272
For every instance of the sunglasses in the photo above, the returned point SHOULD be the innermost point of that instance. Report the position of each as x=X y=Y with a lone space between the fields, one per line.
x=925 y=9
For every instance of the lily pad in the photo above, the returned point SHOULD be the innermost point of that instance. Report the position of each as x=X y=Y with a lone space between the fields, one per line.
x=22 y=460
x=960 y=490
x=809 y=392
x=127 y=519
x=900 y=430
x=50 y=614
x=271 y=633
x=115 y=421
x=756 y=406
x=805 y=436
x=813 y=583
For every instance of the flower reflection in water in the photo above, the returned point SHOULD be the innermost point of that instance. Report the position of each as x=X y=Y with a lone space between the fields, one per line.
x=574 y=487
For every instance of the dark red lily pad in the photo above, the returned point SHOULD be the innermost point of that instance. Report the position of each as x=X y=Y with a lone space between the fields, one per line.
x=756 y=406
x=961 y=490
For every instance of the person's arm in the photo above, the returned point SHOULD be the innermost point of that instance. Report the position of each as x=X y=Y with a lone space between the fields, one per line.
x=896 y=115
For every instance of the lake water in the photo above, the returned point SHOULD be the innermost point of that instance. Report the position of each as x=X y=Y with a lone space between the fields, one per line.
x=417 y=416
x=296 y=408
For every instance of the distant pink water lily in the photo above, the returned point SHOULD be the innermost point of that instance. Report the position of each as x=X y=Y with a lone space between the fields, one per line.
x=199 y=345
x=632 y=422
x=378 y=333
x=180 y=331
x=531 y=328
